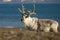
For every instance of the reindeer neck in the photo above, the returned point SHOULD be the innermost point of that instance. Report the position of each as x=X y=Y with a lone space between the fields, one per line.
x=28 y=21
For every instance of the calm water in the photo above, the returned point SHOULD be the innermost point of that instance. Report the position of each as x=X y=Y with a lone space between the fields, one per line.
x=10 y=16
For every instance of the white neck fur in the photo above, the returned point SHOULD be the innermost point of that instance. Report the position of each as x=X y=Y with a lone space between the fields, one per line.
x=28 y=21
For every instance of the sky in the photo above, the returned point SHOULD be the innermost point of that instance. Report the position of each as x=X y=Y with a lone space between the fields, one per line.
x=29 y=1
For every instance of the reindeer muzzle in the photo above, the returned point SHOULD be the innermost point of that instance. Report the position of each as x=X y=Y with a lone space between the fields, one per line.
x=21 y=19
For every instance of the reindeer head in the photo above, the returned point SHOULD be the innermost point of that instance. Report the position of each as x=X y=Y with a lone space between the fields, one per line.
x=24 y=14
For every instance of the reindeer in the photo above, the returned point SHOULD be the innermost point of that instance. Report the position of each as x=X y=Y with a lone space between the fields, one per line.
x=38 y=24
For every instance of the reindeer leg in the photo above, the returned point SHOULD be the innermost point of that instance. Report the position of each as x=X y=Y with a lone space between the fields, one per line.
x=46 y=29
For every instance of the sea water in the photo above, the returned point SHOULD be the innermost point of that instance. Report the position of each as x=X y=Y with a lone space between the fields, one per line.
x=10 y=15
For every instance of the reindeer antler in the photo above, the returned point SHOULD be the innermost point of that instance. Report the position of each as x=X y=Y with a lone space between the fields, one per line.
x=22 y=10
x=32 y=11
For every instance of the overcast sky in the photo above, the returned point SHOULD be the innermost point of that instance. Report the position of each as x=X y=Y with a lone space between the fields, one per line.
x=29 y=1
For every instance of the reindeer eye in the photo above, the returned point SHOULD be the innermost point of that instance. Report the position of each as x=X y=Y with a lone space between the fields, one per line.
x=26 y=17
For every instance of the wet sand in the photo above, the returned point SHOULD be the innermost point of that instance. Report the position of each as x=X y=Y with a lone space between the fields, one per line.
x=24 y=34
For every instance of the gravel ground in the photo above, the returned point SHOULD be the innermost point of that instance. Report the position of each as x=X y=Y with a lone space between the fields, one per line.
x=24 y=34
